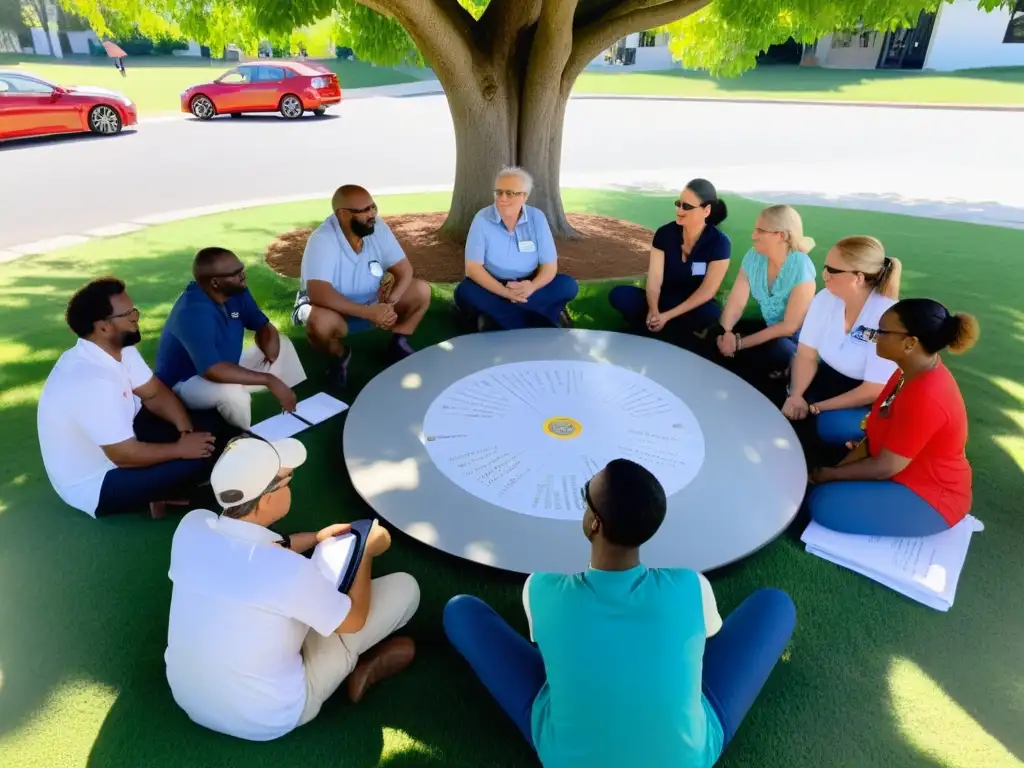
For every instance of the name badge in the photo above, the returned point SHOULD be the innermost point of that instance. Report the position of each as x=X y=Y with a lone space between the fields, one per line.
x=234 y=315
x=527 y=246
x=376 y=269
x=700 y=268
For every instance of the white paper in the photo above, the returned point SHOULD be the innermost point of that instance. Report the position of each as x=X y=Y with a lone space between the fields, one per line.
x=319 y=408
x=332 y=556
x=926 y=568
x=278 y=427
x=527 y=436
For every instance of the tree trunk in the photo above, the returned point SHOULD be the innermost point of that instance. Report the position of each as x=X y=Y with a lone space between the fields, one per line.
x=501 y=122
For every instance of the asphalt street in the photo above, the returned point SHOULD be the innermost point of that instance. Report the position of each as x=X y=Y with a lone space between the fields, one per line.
x=946 y=163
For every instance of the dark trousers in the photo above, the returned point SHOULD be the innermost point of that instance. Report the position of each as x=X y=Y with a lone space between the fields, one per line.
x=631 y=302
x=127 y=490
x=755 y=365
x=541 y=310
x=737 y=660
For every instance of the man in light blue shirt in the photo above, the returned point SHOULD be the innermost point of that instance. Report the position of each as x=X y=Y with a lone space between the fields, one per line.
x=512 y=278
x=342 y=289
x=621 y=674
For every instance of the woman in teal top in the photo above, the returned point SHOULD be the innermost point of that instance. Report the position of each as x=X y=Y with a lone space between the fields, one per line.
x=780 y=276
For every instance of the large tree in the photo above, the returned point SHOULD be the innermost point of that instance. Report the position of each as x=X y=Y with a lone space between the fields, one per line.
x=508 y=66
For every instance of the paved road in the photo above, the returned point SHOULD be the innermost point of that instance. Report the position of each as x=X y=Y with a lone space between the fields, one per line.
x=957 y=164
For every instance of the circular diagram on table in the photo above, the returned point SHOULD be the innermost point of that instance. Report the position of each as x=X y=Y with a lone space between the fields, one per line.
x=526 y=436
x=480 y=446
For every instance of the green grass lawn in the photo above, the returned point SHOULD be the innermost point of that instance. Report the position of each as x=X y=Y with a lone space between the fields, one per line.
x=973 y=86
x=871 y=678
x=155 y=83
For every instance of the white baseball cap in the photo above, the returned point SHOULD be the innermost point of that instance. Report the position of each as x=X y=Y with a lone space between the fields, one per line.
x=249 y=465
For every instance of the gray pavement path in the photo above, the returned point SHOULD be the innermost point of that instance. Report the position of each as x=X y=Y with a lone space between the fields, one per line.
x=947 y=164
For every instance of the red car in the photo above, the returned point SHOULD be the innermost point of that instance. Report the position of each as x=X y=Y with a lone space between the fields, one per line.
x=31 y=106
x=288 y=87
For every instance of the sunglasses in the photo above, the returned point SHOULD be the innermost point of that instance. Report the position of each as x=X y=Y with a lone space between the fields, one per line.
x=864 y=333
x=371 y=207
x=688 y=206
x=507 y=193
x=587 y=500
x=234 y=273
x=837 y=271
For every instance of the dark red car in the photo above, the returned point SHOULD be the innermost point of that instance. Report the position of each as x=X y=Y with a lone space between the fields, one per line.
x=288 y=87
x=31 y=106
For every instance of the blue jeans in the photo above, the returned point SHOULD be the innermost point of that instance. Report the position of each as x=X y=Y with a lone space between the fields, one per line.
x=842 y=426
x=631 y=302
x=737 y=661
x=873 y=508
x=540 y=310
x=126 y=490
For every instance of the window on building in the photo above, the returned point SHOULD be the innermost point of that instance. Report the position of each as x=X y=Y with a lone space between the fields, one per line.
x=842 y=39
x=1015 y=29
x=648 y=39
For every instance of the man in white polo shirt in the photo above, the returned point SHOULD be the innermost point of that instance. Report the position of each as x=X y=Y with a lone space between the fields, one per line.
x=259 y=638
x=342 y=288
x=112 y=436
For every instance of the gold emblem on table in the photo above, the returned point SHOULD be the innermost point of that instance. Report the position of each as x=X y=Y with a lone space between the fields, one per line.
x=562 y=427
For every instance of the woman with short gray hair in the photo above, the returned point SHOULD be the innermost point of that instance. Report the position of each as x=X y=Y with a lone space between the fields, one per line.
x=512 y=278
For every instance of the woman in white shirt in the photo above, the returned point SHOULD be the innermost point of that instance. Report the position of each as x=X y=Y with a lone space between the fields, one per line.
x=836 y=374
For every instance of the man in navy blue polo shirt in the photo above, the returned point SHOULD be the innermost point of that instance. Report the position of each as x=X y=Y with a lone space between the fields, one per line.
x=200 y=354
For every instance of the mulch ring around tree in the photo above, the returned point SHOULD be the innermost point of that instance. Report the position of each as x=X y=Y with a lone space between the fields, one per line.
x=609 y=248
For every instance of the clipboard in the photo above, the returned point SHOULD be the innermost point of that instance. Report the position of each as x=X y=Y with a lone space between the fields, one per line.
x=339 y=557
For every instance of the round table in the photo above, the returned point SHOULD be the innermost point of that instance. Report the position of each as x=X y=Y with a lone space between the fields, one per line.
x=742 y=478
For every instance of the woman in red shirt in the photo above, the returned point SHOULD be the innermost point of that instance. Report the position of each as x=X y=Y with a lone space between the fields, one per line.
x=910 y=475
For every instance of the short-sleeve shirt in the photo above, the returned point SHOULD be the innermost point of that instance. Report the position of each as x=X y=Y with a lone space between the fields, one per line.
x=510 y=255
x=623 y=649
x=200 y=332
x=796 y=269
x=88 y=401
x=824 y=330
x=927 y=423
x=329 y=257
x=681 y=277
x=241 y=607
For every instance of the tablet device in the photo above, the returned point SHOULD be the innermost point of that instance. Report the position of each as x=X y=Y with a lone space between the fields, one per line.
x=338 y=557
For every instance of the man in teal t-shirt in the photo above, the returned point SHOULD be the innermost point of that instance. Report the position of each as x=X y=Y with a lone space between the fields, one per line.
x=620 y=674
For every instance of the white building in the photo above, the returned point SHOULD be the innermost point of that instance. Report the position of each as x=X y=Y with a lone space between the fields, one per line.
x=958 y=36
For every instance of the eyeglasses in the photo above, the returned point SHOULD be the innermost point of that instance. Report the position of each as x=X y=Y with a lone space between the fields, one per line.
x=371 y=207
x=688 y=206
x=864 y=333
x=507 y=193
x=587 y=500
x=759 y=231
x=133 y=313
x=234 y=273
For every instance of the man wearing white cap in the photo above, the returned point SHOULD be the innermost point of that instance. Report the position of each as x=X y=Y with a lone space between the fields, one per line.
x=258 y=637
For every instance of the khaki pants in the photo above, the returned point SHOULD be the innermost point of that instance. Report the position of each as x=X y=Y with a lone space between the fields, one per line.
x=329 y=660
x=234 y=401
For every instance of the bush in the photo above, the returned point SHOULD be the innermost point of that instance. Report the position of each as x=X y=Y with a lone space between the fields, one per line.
x=167 y=47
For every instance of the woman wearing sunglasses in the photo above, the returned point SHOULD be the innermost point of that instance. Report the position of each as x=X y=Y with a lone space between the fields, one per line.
x=910 y=475
x=689 y=259
x=836 y=373
x=780 y=276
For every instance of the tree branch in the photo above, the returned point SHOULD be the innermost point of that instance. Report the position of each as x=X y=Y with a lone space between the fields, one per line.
x=441 y=29
x=617 y=22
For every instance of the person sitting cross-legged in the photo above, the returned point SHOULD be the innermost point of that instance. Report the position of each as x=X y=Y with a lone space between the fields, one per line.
x=342 y=288
x=632 y=665
x=201 y=354
x=258 y=638
x=114 y=439
x=512 y=278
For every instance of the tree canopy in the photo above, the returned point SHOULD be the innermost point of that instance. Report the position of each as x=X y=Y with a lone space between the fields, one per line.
x=722 y=37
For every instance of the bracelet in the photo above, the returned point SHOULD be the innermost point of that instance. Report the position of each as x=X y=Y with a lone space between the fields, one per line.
x=813 y=409
x=739 y=342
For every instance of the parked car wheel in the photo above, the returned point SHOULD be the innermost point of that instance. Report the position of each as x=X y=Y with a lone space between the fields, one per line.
x=104 y=119
x=320 y=111
x=291 y=106
x=203 y=108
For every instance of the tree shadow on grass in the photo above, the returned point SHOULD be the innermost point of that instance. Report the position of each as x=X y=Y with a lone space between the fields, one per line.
x=90 y=597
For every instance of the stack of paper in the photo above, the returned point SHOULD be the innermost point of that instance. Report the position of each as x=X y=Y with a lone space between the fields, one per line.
x=332 y=557
x=308 y=413
x=926 y=569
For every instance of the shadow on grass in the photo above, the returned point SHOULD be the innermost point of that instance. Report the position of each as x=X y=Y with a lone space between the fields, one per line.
x=84 y=602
